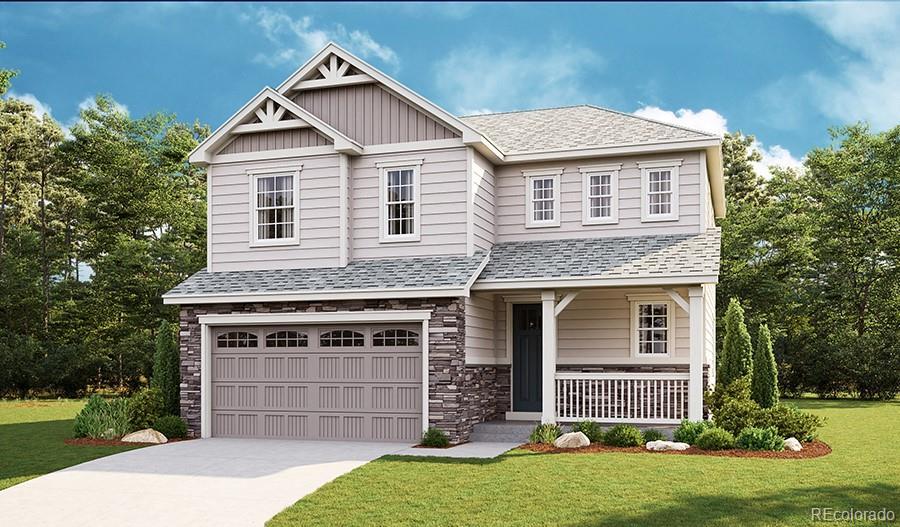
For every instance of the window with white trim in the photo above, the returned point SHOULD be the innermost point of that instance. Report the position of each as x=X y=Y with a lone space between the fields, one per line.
x=275 y=214
x=652 y=328
x=400 y=203
x=542 y=200
x=600 y=196
x=659 y=189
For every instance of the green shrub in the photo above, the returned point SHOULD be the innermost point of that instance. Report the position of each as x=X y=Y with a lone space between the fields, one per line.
x=145 y=407
x=790 y=421
x=591 y=429
x=623 y=435
x=764 y=384
x=715 y=439
x=737 y=389
x=737 y=414
x=435 y=437
x=171 y=426
x=545 y=433
x=689 y=431
x=754 y=438
x=653 y=435
x=166 y=368
x=103 y=419
x=736 y=359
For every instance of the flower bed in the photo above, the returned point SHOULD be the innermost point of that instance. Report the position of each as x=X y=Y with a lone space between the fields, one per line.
x=810 y=450
x=88 y=441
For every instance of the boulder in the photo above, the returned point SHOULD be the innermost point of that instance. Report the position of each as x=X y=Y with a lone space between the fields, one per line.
x=791 y=443
x=572 y=440
x=147 y=435
x=660 y=446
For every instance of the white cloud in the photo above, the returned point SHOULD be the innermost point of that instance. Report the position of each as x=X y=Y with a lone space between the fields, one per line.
x=705 y=120
x=709 y=120
x=481 y=79
x=40 y=109
x=775 y=155
x=298 y=38
x=868 y=73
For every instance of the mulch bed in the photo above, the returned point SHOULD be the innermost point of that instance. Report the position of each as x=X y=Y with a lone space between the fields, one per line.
x=87 y=441
x=810 y=450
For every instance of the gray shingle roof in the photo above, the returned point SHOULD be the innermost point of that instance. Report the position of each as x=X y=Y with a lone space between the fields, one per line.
x=621 y=257
x=574 y=127
x=400 y=273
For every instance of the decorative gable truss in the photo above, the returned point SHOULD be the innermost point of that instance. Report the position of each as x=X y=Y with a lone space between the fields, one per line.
x=332 y=71
x=267 y=112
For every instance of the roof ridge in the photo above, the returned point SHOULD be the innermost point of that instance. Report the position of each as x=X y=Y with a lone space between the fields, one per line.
x=656 y=121
x=525 y=111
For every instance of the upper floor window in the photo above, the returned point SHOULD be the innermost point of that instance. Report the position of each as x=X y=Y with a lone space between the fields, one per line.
x=652 y=328
x=600 y=203
x=400 y=201
x=659 y=190
x=542 y=198
x=275 y=216
x=236 y=339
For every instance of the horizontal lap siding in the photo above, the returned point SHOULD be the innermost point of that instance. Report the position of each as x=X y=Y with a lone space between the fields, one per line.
x=483 y=201
x=230 y=217
x=510 y=204
x=479 y=329
x=263 y=141
x=442 y=200
x=597 y=324
x=371 y=115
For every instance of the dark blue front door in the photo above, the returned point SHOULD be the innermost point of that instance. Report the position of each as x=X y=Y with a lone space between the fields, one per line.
x=526 y=366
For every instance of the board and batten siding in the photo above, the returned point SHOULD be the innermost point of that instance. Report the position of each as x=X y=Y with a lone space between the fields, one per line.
x=370 y=115
x=443 y=180
x=230 y=216
x=510 y=201
x=594 y=329
x=276 y=140
x=483 y=200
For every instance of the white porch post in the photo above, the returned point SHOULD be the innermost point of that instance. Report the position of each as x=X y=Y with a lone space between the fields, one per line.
x=695 y=383
x=548 y=356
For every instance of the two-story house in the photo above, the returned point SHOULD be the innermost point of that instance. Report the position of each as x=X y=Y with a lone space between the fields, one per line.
x=377 y=265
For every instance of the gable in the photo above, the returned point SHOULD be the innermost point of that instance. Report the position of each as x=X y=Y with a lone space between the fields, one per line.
x=277 y=140
x=371 y=115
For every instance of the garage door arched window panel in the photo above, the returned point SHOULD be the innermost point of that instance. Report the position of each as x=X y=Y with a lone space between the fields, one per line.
x=342 y=338
x=287 y=339
x=395 y=338
x=237 y=339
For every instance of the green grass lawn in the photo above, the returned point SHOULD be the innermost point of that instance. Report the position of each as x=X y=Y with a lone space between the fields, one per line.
x=31 y=440
x=523 y=488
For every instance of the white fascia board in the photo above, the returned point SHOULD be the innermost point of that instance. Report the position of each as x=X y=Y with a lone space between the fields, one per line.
x=551 y=283
x=304 y=296
x=478 y=270
x=333 y=317
x=470 y=136
x=616 y=150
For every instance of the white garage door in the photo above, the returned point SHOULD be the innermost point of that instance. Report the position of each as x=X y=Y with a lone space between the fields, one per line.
x=318 y=382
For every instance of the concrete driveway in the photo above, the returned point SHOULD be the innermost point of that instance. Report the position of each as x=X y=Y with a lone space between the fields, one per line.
x=217 y=482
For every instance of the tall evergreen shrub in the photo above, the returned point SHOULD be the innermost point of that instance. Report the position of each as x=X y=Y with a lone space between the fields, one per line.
x=166 y=373
x=764 y=384
x=736 y=359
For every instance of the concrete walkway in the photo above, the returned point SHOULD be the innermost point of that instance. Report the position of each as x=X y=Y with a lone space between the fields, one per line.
x=221 y=482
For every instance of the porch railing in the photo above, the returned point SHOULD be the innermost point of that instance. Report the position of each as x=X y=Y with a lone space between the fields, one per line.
x=622 y=397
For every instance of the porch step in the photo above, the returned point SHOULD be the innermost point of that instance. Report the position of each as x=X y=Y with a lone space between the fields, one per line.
x=503 y=431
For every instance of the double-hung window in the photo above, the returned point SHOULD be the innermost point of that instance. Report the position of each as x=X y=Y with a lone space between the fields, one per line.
x=400 y=202
x=600 y=191
x=659 y=190
x=274 y=198
x=542 y=198
x=652 y=328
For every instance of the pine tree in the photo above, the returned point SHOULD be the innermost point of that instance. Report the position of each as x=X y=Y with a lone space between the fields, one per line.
x=166 y=374
x=764 y=385
x=736 y=359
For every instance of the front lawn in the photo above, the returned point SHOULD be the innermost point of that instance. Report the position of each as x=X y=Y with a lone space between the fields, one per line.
x=523 y=488
x=32 y=435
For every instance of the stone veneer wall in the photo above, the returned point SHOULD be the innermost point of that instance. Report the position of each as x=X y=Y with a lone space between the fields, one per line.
x=459 y=396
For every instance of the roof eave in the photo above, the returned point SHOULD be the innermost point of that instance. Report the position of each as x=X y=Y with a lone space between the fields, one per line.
x=594 y=281
x=612 y=150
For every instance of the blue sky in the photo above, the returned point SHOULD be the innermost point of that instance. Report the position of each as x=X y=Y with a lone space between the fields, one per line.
x=783 y=72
